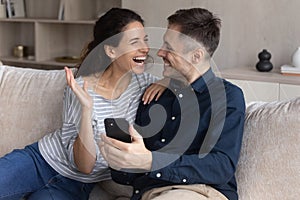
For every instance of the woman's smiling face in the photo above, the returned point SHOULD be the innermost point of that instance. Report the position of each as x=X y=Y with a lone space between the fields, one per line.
x=133 y=48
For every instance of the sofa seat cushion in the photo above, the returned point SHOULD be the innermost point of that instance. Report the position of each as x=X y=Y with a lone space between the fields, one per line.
x=269 y=166
x=30 y=105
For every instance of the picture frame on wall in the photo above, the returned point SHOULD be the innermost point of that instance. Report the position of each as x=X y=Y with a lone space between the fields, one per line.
x=15 y=8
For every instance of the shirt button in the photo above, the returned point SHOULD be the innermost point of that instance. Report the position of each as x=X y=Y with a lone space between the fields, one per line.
x=175 y=90
x=127 y=183
x=163 y=140
x=173 y=118
x=158 y=175
x=93 y=122
x=146 y=173
x=136 y=191
x=184 y=180
x=180 y=95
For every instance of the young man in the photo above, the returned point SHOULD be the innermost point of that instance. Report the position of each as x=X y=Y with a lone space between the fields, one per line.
x=191 y=136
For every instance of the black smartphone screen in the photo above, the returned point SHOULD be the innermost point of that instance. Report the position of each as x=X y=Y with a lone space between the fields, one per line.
x=117 y=128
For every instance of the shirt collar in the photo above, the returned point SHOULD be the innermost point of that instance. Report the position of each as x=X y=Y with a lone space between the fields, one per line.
x=199 y=85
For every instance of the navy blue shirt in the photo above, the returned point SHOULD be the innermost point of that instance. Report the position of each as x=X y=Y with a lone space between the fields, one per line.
x=194 y=133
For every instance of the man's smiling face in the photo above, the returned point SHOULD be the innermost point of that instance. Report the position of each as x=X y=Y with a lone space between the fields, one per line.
x=172 y=43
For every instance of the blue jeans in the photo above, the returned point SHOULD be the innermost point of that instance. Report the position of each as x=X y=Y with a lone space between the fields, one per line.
x=25 y=174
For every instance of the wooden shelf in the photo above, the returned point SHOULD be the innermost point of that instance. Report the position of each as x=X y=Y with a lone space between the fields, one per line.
x=16 y=60
x=54 y=21
x=24 y=20
x=29 y=61
x=47 y=37
x=252 y=74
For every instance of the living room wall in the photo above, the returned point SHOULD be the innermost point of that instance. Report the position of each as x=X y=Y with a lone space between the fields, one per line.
x=248 y=26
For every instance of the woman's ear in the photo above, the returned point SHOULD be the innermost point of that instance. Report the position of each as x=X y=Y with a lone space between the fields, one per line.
x=110 y=52
x=198 y=56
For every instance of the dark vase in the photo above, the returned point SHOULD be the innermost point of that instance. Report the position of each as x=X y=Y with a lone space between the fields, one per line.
x=264 y=64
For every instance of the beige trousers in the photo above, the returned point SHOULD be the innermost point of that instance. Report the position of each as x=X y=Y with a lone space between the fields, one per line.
x=178 y=192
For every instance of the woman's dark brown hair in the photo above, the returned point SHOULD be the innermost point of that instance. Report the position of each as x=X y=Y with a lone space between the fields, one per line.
x=108 y=25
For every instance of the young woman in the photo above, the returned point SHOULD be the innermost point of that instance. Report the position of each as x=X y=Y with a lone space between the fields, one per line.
x=110 y=81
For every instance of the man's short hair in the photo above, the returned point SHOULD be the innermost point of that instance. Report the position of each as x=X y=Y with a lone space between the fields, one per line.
x=199 y=24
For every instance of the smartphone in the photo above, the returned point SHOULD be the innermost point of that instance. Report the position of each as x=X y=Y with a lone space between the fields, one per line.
x=117 y=128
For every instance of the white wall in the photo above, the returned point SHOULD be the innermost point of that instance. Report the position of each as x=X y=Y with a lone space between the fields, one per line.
x=248 y=26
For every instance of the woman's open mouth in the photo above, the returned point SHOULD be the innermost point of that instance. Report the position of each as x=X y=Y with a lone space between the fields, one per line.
x=140 y=59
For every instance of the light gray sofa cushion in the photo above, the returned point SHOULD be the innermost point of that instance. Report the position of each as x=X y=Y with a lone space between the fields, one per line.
x=269 y=166
x=30 y=105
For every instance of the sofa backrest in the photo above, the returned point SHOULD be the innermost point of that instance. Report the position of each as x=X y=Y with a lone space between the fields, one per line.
x=30 y=105
x=269 y=165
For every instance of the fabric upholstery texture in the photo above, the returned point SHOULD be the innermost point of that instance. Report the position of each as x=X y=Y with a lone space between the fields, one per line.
x=269 y=166
x=30 y=105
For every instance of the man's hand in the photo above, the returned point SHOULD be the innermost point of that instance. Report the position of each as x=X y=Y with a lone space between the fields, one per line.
x=121 y=155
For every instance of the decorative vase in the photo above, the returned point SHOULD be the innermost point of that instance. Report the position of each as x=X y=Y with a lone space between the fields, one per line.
x=296 y=58
x=264 y=64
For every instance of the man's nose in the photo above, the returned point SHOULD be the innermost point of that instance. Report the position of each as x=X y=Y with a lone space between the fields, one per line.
x=161 y=52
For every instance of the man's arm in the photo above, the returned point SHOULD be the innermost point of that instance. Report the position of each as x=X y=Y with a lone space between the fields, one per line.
x=216 y=167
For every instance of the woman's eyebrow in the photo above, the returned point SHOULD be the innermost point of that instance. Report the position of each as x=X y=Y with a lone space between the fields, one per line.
x=137 y=38
x=133 y=39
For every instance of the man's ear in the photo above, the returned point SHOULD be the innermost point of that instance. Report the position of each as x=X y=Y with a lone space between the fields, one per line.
x=198 y=56
x=110 y=52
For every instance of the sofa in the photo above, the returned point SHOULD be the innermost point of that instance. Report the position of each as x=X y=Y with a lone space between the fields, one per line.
x=269 y=165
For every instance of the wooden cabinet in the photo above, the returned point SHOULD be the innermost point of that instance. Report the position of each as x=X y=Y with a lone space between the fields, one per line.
x=47 y=37
x=258 y=91
x=288 y=91
x=258 y=86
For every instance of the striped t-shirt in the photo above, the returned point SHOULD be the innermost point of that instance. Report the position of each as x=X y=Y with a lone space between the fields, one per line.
x=57 y=147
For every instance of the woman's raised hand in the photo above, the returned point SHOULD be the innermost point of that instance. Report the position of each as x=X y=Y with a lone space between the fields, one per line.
x=82 y=94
